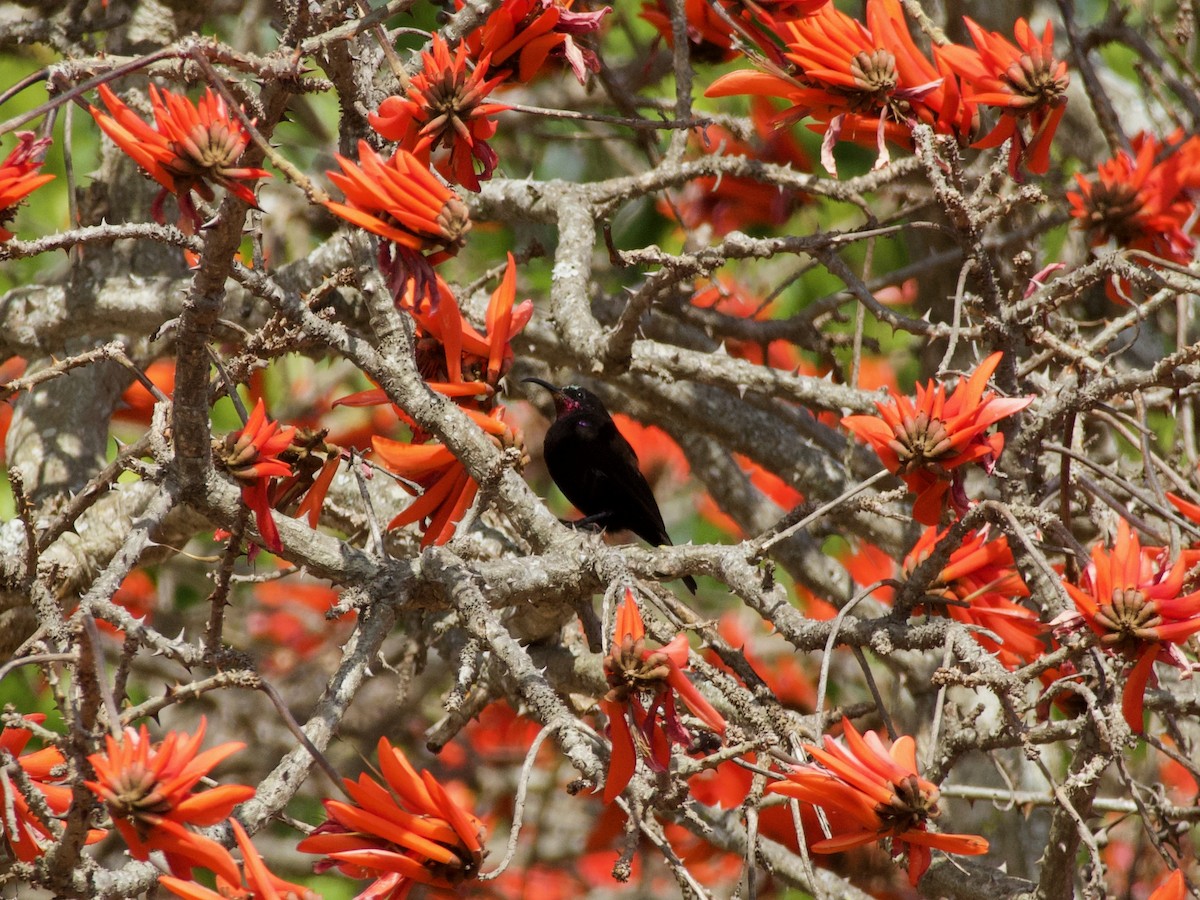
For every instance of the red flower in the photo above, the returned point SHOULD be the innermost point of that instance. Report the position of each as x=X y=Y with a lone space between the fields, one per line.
x=1130 y=597
x=452 y=356
x=520 y=35
x=1026 y=82
x=867 y=84
x=408 y=831
x=289 y=619
x=711 y=36
x=137 y=403
x=19 y=176
x=1173 y=887
x=879 y=789
x=138 y=596
x=977 y=583
x=730 y=202
x=251 y=455
x=447 y=489
x=636 y=673
x=444 y=108
x=257 y=883
x=148 y=789
x=400 y=199
x=1143 y=201
x=497 y=736
x=463 y=364
x=313 y=465
x=189 y=148
x=729 y=298
x=451 y=351
x=24 y=833
x=926 y=442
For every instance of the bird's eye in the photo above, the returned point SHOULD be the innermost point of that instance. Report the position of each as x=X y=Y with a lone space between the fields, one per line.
x=582 y=423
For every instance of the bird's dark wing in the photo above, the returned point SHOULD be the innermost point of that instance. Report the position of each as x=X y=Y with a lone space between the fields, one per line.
x=598 y=472
x=634 y=506
x=629 y=494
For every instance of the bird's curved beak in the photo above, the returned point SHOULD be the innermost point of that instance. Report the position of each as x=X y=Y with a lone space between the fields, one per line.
x=555 y=392
x=547 y=385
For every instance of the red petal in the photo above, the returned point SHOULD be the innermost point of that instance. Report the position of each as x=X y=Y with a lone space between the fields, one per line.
x=623 y=758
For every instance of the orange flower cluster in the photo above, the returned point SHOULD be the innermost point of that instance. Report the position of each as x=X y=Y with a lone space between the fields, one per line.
x=977 y=584
x=870 y=83
x=465 y=365
x=928 y=441
x=444 y=108
x=731 y=202
x=519 y=36
x=399 y=199
x=878 y=790
x=19 y=176
x=1131 y=598
x=149 y=791
x=24 y=832
x=711 y=34
x=1173 y=887
x=257 y=882
x=1143 y=200
x=289 y=622
x=252 y=456
x=1024 y=81
x=636 y=674
x=727 y=297
x=189 y=148
x=405 y=832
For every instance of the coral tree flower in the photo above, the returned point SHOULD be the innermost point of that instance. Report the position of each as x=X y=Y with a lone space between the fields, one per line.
x=520 y=35
x=928 y=440
x=867 y=84
x=257 y=883
x=1130 y=597
x=711 y=35
x=404 y=832
x=1143 y=200
x=880 y=792
x=463 y=364
x=148 y=788
x=1025 y=81
x=450 y=351
x=190 y=147
x=730 y=201
x=313 y=464
x=444 y=108
x=252 y=456
x=977 y=584
x=447 y=489
x=643 y=685
x=1173 y=887
x=24 y=833
x=19 y=176
x=399 y=199
x=289 y=622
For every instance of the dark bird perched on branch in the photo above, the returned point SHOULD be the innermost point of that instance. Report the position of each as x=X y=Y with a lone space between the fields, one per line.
x=596 y=469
